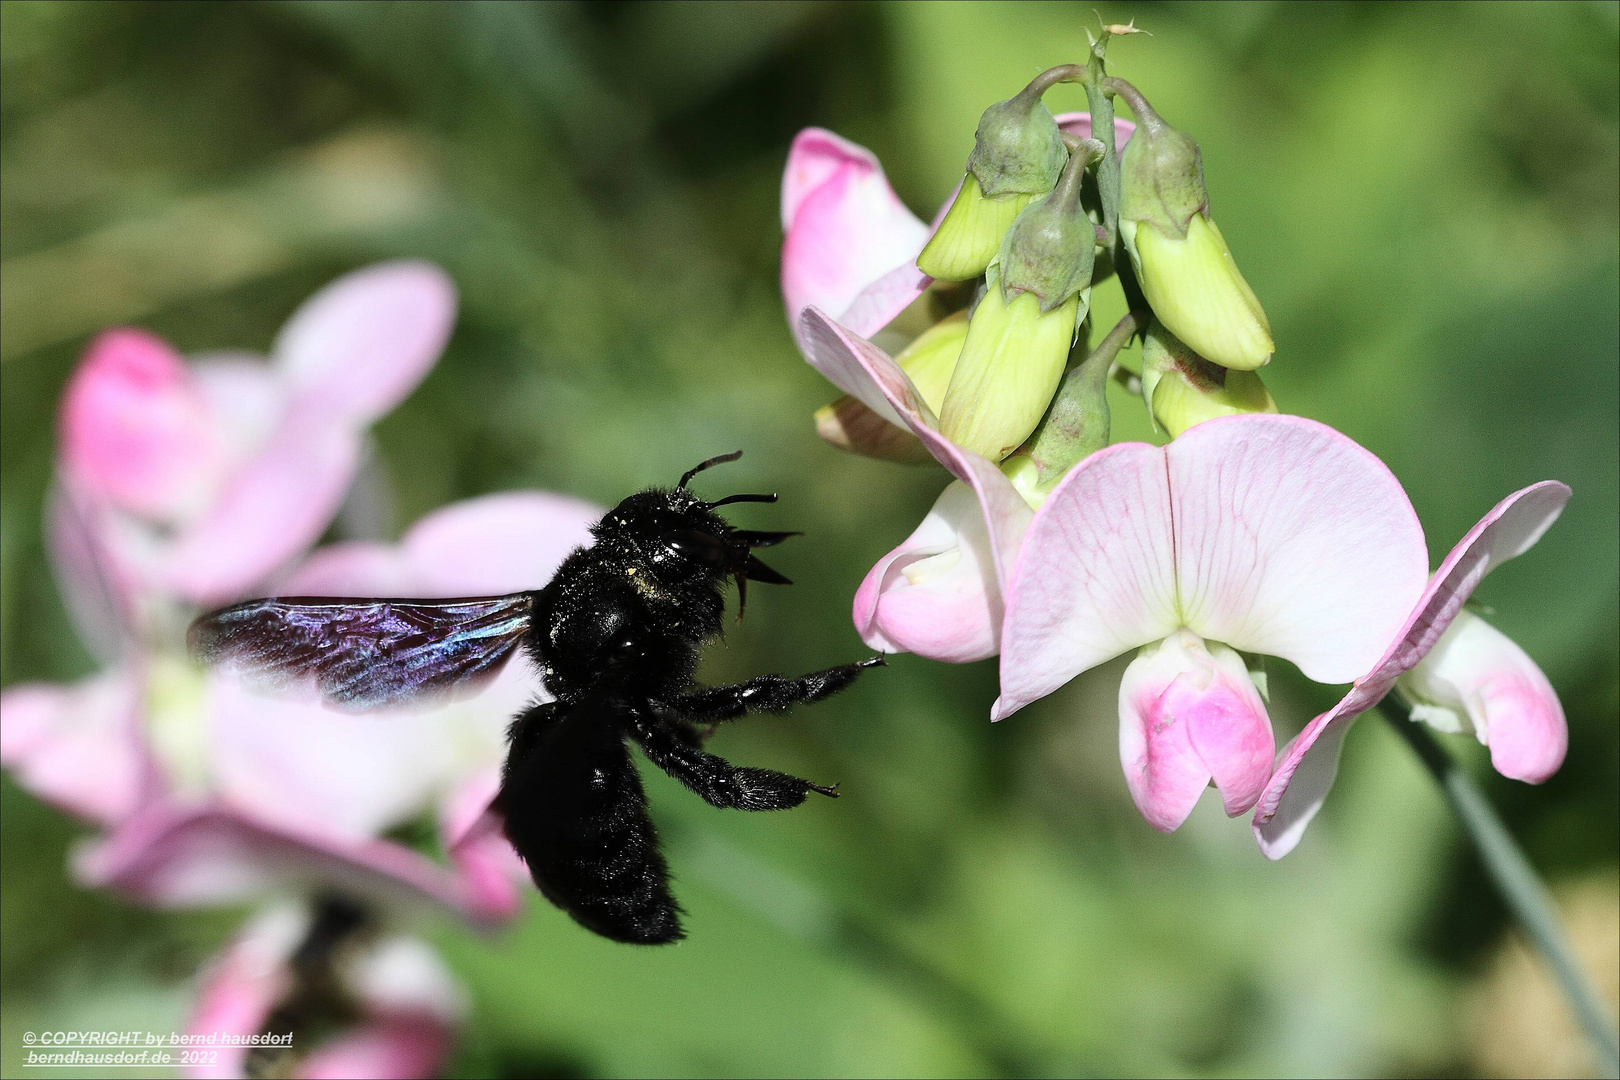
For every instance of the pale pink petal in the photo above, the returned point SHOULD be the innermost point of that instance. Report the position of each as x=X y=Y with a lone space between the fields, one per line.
x=97 y=576
x=509 y=542
x=846 y=230
x=352 y=568
x=395 y=1048
x=937 y=594
x=339 y=775
x=359 y=346
x=172 y=855
x=1299 y=784
x=1095 y=577
x=271 y=509
x=471 y=833
x=247 y=399
x=1165 y=774
x=1292 y=541
x=76 y=746
x=1477 y=670
x=135 y=428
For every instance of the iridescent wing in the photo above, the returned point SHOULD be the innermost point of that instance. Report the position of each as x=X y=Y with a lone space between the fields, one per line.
x=365 y=654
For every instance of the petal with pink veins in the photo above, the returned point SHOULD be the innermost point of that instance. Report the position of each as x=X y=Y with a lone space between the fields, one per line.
x=1309 y=763
x=76 y=746
x=846 y=232
x=1096 y=575
x=359 y=346
x=1292 y=541
x=1189 y=714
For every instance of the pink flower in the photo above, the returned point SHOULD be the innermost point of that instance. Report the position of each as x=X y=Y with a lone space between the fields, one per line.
x=212 y=794
x=1452 y=665
x=194 y=482
x=290 y=962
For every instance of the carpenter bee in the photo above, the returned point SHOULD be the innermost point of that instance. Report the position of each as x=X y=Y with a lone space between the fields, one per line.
x=616 y=636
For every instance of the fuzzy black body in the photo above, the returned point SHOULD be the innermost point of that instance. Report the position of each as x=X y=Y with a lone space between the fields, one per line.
x=616 y=636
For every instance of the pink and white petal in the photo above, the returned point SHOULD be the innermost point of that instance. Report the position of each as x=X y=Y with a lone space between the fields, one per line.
x=1095 y=576
x=1479 y=671
x=242 y=987
x=1078 y=124
x=359 y=346
x=353 y=568
x=1292 y=541
x=76 y=746
x=271 y=509
x=1299 y=784
x=470 y=831
x=877 y=305
x=860 y=368
x=1229 y=727
x=401 y=976
x=389 y=1048
x=845 y=228
x=938 y=593
x=135 y=427
x=1164 y=772
x=508 y=542
x=297 y=764
x=98 y=577
x=172 y=855
x=246 y=400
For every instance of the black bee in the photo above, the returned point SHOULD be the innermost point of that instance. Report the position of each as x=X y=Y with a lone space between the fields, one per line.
x=616 y=636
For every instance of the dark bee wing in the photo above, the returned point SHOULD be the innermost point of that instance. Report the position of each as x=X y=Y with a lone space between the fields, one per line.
x=575 y=810
x=365 y=654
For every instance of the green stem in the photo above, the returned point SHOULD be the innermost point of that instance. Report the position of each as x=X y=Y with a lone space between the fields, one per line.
x=1514 y=878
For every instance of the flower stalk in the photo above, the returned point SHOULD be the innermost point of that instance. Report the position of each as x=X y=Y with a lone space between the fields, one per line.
x=1514 y=878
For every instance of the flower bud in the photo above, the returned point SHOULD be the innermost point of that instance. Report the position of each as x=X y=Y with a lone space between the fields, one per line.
x=1181 y=388
x=928 y=361
x=1182 y=262
x=1018 y=154
x=1009 y=369
x=1476 y=680
x=1050 y=248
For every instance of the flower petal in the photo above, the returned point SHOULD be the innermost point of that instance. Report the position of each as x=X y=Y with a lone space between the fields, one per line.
x=272 y=508
x=172 y=855
x=243 y=985
x=96 y=573
x=1292 y=541
x=502 y=543
x=359 y=346
x=76 y=746
x=846 y=231
x=1513 y=709
x=1095 y=577
x=135 y=427
x=937 y=593
x=1300 y=783
x=471 y=833
x=1078 y=124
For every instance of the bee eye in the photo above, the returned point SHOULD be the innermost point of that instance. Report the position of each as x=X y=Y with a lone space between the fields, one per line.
x=702 y=547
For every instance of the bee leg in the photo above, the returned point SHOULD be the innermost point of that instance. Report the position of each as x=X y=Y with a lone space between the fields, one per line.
x=768 y=693
x=718 y=781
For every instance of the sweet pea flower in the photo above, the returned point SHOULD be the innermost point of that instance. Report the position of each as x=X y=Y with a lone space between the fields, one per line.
x=1459 y=672
x=193 y=482
x=1261 y=534
x=294 y=966
x=210 y=793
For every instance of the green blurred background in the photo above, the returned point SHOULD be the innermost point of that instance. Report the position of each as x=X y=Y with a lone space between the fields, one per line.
x=1425 y=197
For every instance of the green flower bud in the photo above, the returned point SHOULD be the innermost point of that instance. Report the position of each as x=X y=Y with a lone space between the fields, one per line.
x=1018 y=154
x=1051 y=247
x=1008 y=371
x=1183 y=389
x=929 y=362
x=966 y=241
x=1181 y=260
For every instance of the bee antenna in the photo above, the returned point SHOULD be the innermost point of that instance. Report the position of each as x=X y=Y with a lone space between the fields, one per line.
x=720 y=459
x=729 y=499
